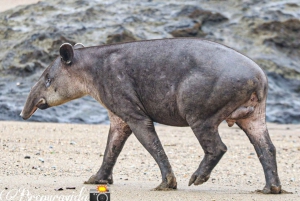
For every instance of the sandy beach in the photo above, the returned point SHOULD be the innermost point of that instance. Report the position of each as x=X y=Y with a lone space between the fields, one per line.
x=66 y=155
x=7 y=4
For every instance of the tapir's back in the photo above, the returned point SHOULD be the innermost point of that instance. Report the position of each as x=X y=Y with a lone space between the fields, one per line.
x=169 y=61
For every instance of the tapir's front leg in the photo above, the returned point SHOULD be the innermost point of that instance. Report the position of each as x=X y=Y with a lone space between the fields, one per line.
x=118 y=134
x=145 y=132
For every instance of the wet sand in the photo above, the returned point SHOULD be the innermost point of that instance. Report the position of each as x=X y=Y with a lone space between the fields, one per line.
x=66 y=155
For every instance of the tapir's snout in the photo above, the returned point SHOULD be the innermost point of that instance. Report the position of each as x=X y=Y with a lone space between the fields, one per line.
x=21 y=115
x=31 y=106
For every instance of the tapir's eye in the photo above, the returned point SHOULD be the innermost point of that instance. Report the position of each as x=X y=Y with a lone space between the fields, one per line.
x=48 y=82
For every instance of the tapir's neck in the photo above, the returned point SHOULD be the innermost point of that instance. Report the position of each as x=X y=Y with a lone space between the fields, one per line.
x=96 y=60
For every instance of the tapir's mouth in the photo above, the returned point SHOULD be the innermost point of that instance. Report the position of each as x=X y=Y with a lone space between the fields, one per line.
x=42 y=105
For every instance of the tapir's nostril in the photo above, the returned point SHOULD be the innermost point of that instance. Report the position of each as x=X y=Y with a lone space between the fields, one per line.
x=21 y=115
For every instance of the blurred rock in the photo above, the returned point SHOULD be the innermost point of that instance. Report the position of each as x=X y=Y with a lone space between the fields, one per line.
x=287 y=33
x=200 y=15
x=207 y=16
x=194 y=31
x=121 y=35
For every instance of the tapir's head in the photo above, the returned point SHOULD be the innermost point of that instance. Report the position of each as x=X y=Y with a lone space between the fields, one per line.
x=61 y=82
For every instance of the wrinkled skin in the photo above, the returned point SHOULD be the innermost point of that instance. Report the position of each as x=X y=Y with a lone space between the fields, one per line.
x=177 y=82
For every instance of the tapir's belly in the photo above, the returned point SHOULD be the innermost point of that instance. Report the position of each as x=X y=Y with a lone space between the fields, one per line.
x=166 y=113
x=174 y=121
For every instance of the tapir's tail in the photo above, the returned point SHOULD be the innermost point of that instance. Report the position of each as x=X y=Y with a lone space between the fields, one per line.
x=262 y=87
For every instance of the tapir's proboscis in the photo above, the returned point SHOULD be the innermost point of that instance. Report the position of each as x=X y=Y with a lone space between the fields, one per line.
x=176 y=82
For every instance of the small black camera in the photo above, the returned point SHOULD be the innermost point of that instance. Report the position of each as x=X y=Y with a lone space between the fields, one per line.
x=99 y=196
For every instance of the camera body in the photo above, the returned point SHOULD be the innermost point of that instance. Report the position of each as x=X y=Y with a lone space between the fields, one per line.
x=99 y=196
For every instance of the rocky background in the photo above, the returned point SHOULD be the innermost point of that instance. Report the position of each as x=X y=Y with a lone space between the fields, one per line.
x=268 y=31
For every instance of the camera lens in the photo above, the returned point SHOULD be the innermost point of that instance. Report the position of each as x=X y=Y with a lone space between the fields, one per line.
x=102 y=197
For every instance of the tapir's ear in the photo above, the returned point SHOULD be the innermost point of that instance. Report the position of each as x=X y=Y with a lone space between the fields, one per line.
x=66 y=53
x=78 y=46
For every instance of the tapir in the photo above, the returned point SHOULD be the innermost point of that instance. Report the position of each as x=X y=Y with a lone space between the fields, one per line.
x=177 y=82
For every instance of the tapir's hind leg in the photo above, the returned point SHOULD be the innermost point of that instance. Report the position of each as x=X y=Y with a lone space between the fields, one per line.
x=257 y=132
x=210 y=141
x=118 y=134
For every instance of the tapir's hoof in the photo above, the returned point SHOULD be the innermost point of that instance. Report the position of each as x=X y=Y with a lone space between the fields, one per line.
x=198 y=179
x=273 y=190
x=168 y=185
x=93 y=180
x=165 y=187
